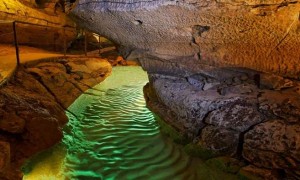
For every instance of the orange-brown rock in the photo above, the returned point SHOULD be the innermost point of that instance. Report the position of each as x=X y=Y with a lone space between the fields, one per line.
x=32 y=107
x=261 y=35
x=51 y=37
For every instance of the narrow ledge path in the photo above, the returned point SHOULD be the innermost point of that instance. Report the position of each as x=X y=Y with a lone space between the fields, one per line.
x=8 y=62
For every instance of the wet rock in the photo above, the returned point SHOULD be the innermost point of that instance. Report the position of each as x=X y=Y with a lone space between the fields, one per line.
x=285 y=105
x=31 y=109
x=150 y=94
x=4 y=155
x=221 y=141
x=232 y=115
x=169 y=129
x=238 y=116
x=254 y=173
x=42 y=119
x=166 y=118
x=271 y=81
x=226 y=164
x=211 y=85
x=192 y=106
x=240 y=89
x=10 y=122
x=297 y=89
x=197 y=150
x=273 y=144
x=197 y=81
x=74 y=76
x=119 y=60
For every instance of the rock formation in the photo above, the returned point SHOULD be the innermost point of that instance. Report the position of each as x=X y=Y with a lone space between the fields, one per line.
x=40 y=12
x=243 y=114
x=32 y=107
x=224 y=74
x=259 y=35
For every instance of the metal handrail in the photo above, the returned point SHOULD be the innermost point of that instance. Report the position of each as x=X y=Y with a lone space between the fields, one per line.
x=14 y=24
x=40 y=25
x=16 y=43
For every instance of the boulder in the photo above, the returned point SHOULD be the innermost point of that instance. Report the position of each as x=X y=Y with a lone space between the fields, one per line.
x=271 y=81
x=74 y=76
x=238 y=116
x=225 y=164
x=10 y=122
x=283 y=104
x=4 y=155
x=220 y=141
x=32 y=108
x=193 y=106
x=254 y=173
x=273 y=144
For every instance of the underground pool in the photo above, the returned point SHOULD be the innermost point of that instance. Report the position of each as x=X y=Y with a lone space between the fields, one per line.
x=112 y=135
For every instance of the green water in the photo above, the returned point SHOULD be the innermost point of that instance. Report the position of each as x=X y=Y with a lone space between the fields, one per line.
x=112 y=135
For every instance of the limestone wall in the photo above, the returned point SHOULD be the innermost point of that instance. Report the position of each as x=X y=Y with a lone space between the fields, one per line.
x=248 y=115
x=260 y=35
x=50 y=14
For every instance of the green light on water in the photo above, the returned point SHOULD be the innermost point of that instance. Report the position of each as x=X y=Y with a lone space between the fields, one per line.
x=114 y=136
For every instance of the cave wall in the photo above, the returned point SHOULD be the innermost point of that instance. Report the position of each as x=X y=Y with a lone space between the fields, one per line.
x=33 y=105
x=244 y=114
x=261 y=35
x=225 y=74
x=29 y=11
x=49 y=13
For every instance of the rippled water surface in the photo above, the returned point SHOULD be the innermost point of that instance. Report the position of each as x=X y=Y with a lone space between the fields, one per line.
x=112 y=135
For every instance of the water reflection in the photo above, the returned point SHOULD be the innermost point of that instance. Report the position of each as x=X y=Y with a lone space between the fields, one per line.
x=112 y=135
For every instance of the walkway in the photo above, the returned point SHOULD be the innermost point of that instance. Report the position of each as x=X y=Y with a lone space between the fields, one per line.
x=8 y=58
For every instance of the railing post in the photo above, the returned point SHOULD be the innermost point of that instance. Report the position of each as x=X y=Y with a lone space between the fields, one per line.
x=85 y=42
x=16 y=43
x=65 y=42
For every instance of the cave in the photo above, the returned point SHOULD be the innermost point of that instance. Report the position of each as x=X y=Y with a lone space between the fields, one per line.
x=164 y=89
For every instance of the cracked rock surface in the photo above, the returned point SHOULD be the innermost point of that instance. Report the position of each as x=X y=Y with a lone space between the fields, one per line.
x=261 y=35
x=236 y=115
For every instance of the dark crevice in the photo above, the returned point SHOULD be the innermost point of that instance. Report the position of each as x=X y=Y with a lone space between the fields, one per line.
x=282 y=4
x=204 y=123
x=90 y=87
x=239 y=151
x=256 y=79
x=139 y=22
x=242 y=138
x=198 y=30
x=76 y=86
x=38 y=78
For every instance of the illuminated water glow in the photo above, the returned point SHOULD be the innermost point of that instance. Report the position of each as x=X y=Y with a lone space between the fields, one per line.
x=114 y=136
